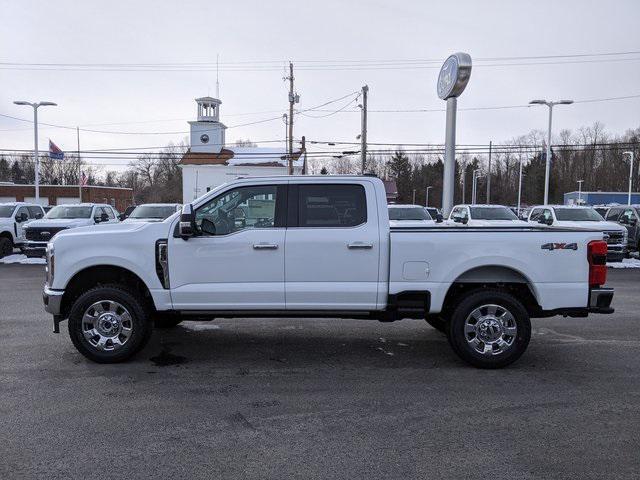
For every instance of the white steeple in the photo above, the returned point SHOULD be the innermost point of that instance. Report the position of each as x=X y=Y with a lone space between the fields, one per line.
x=207 y=133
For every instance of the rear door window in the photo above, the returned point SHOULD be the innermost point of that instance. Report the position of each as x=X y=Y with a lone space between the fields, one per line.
x=326 y=206
x=614 y=214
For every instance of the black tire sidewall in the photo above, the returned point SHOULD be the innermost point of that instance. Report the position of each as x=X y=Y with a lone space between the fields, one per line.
x=466 y=306
x=6 y=247
x=141 y=325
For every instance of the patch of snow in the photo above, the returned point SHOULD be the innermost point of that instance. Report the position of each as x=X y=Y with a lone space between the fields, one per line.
x=22 y=259
x=626 y=263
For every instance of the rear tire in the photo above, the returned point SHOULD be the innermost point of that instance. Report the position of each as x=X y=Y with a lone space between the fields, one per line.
x=107 y=324
x=6 y=246
x=489 y=329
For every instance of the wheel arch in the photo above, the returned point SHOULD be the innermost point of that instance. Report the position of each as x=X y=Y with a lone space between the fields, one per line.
x=501 y=277
x=104 y=274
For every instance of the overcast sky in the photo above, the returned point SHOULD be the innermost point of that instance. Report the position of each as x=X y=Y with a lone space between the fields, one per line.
x=326 y=32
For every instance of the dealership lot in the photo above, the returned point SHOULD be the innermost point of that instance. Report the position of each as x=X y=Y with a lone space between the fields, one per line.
x=318 y=399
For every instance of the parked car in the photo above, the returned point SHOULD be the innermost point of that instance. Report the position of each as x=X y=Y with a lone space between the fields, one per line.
x=13 y=218
x=318 y=247
x=583 y=217
x=64 y=217
x=627 y=216
x=484 y=215
x=409 y=216
x=153 y=212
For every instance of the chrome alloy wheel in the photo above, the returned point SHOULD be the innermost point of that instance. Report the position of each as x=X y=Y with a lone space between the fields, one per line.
x=107 y=325
x=490 y=329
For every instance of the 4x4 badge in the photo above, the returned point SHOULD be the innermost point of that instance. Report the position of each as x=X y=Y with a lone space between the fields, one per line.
x=560 y=246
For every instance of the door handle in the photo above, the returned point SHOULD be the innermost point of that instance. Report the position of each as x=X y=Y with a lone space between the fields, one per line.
x=265 y=246
x=360 y=245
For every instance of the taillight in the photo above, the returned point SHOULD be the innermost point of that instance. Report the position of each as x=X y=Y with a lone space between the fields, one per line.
x=597 y=253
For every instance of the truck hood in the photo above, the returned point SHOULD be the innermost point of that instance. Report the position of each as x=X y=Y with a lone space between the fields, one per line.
x=102 y=229
x=60 y=222
x=589 y=225
x=142 y=220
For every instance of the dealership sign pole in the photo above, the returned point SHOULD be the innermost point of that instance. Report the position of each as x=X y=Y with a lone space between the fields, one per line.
x=452 y=80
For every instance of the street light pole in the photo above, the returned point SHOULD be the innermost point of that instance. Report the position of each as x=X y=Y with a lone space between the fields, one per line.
x=519 y=186
x=474 y=186
x=547 y=166
x=580 y=191
x=36 y=156
x=426 y=201
x=630 y=175
x=414 y=196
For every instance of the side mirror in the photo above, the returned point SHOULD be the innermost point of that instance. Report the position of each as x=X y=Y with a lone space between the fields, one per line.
x=464 y=220
x=633 y=222
x=187 y=225
x=439 y=218
x=456 y=219
x=624 y=220
x=39 y=216
x=23 y=217
x=104 y=217
x=122 y=217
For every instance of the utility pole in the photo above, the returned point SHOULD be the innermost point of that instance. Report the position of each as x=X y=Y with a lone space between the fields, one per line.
x=363 y=134
x=79 y=166
x=520 y=185
x=489 y=177
x=630 y=175
x=291 y=102
x=414 y=196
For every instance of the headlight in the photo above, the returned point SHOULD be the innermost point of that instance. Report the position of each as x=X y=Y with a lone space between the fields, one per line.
x=50 y=263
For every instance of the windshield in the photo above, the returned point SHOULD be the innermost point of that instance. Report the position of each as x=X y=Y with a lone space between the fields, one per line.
x=67 y=211
x=153 y=211
x=578 y=214
x=417 y=213
x=492 y=213
x=6 y=210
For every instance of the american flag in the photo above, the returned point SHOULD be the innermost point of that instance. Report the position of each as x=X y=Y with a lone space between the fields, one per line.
x=84 y=180
x=55 y=152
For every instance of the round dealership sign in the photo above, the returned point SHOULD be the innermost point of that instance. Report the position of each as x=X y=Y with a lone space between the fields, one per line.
x=454 y=75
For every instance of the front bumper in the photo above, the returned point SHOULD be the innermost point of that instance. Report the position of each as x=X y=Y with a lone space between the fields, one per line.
x=600 y=300
x=52 y=300
x=616 y=253
x=31 y=248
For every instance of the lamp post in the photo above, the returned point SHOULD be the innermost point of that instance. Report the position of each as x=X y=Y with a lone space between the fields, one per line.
x=519 y=186
x=474 y=186
x=35 y=106
x=414 y=196
x=630 y=175
x=580 y=182
x=548 y=155
x=426 y=201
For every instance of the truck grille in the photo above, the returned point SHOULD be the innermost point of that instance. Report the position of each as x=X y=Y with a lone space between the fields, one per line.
x=41 y=234
x=614 y=237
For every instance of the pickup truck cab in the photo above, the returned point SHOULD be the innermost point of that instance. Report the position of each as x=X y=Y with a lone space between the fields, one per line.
x=484 y=215
x=409 y=216
x=583 y=217
x=318 y=246
x=13 y=218
x=64 y=217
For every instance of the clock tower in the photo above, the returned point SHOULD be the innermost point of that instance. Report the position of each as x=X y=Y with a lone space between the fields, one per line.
x=207 y=133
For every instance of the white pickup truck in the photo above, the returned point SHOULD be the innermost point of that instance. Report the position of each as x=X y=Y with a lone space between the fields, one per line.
x=305 y=246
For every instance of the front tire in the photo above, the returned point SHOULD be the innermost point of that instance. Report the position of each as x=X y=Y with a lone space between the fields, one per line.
x=107 y=324
x=489 y=329
x=6 y=246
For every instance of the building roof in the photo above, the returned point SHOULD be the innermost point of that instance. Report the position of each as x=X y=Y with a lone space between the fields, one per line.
x=244 y=156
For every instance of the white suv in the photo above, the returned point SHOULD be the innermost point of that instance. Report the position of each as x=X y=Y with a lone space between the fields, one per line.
x=39 y=232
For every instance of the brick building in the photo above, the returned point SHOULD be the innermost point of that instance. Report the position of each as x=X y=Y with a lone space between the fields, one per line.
x=118 y=197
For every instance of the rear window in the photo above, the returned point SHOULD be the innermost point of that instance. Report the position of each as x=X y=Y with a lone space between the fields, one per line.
x=578 y=215
x=417 y=213
x=331 y=205
x=492 y=213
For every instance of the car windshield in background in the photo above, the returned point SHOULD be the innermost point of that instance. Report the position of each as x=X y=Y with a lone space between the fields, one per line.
x=578 y=215
x=408 y=214
x=6 y=210
x=492 y=213
x=64 y=211
x=148 y=211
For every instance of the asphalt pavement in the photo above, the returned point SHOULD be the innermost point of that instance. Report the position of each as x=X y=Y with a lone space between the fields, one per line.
x=318 y=399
